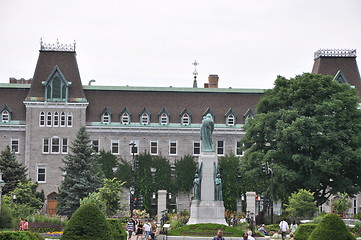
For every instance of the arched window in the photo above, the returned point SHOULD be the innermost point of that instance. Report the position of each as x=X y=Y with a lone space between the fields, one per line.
x=185 y=119
x=48 y=119
x=56 y=119
x=56 y=86
x=62 y=119
x=230 y=120
x=145 y=118
x=42 y=119
x=106 y=118
x=70 y=119
x=5 y=116
x=164 y=119
x=125 y=119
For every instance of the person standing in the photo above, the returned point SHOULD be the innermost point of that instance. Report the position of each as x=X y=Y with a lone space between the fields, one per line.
x=130 y=228
x=26 y=225
x=147 y=229
x=21 y=224
x=293 y=226
x=219 y=235
x=139 y=232
x=283 y=228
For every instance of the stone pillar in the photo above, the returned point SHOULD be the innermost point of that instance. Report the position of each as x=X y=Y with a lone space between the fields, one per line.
x=251 y=202
x=162 y=203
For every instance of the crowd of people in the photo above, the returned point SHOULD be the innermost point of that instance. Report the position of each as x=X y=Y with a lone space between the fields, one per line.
x=148 y=230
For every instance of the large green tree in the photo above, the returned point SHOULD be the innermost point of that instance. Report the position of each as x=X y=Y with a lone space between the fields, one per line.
x=185 y=168
x=309 y=130
x=82 y=174
x=107 y=161
x=13 y=171
x=301 y=204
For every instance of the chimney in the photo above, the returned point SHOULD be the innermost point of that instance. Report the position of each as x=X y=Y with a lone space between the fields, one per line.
x=212 y=81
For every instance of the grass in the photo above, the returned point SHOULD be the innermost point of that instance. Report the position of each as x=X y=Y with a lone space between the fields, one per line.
x=205 y=230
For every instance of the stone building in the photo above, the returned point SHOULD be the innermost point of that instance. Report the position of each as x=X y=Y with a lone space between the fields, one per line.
x=39 y=117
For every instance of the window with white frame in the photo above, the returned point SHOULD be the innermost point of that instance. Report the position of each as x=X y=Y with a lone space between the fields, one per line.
x=134 y=148
x=145 y=118
x=106 y=118
x=220 y=147
x=125 y=119
x=62 y=119
x=164 y=119
x=5 y=116
x=41 y=174
x=64 y=145
x=15 y=145
x=231 y=120
x=45 y=145
x=239 y=151
x=154 y=147
x=55 y=145
x=95 y=144
x=70 y=119
x=115 y=146
x=48 y=119
x=42 y=119
x=56 y=119
x=186 y=119
x=196 y=147
x=172 y=147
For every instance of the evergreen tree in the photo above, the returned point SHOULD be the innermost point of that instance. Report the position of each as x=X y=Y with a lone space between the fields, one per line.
x=82 y=174
x=107 y=161
x=13 y=171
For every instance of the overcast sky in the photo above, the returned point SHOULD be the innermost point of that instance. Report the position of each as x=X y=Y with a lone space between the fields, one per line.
x=155 y=42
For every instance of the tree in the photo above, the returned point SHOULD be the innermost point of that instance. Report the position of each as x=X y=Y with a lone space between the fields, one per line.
x=107 y=161
x=341 y=204
x=82 y=174
x=308 y=129
x=229 y=167
x=185 y=168
x=301 y=204
x=13 y=171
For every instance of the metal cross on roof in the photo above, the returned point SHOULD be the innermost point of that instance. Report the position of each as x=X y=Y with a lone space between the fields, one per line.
x=195 y=64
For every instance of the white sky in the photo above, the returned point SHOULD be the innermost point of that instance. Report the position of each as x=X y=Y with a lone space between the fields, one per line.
x=155 y=42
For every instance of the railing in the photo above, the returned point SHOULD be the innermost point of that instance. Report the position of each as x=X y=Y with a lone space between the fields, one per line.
x=335 y=53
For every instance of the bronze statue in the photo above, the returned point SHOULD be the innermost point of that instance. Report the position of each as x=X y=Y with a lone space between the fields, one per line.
x=206 y=133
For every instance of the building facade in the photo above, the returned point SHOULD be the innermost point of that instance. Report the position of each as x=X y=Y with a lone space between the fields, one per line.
x=40 y=117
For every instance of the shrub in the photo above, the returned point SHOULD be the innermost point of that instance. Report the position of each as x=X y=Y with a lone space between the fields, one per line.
x=117 y=231
x=304 y=230
x=42 y=227
x=331 y=227
x=20 y=236
x=6 y=219
x=205 y=230
x=88 y=222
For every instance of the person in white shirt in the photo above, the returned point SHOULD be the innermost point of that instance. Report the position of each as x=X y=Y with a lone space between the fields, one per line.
x=147 y=229
x=250 y=235
x=284 y=227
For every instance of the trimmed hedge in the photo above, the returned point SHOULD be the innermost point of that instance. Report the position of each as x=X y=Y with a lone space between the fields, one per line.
x=205 y=230
x=89 y=223
x=24 y=235
x=117 y=231
x=42 y=227
x=304 y=231
x=331 y=227
x=6 y=219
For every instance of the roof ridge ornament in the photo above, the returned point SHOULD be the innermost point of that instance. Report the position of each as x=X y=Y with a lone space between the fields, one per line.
x=59 y=47
x=335 y=53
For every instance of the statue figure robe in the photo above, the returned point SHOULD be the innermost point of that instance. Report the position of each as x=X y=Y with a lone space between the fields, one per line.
x=217 y=184
x=206 y=133
x=197 y=184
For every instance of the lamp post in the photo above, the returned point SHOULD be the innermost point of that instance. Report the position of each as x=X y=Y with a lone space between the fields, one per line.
x=14 y=198
x=2 y=184
x=132 y=189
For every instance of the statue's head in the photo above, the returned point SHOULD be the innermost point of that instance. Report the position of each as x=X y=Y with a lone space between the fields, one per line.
x=196 y=175
x=218 y=175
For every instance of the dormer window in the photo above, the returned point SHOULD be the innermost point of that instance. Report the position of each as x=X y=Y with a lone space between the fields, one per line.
x=5 y=114
x=56 y=86
x=164 y=117
x=144 y=116
x=106 y=116
x=125 y=116
x=248 y=115
x=185 y=117
x=230 y=117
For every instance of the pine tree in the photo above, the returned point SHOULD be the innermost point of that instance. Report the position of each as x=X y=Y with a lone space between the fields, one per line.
x=13 y=171
x=82 y=174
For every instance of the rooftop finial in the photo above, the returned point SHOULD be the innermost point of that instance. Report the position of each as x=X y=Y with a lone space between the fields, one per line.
x=56 y=46
x=335 y=53
x=195 y=73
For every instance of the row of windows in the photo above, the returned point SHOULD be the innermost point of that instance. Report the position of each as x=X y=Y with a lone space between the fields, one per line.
x=164 y=117
x=55 y=119
x=55 y=145
x=172 y=147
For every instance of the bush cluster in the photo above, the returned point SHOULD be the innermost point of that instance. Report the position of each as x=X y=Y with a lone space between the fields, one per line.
x=304 y=230
x=117 y=231
x=20 y=236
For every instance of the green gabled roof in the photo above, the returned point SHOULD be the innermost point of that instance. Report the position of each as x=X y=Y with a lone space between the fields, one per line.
x=14 y=85
x=172 y=89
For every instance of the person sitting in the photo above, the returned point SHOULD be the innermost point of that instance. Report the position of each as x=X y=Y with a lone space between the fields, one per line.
x=155 y=230
x=262 y=230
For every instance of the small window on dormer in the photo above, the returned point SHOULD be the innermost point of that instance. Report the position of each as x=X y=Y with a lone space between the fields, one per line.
x=5 y=116
x=185 y=119
x=164 y=119
x=145 y=118
x=56 y=86
x=106 y=118
x=230 y=120
x=125 y=118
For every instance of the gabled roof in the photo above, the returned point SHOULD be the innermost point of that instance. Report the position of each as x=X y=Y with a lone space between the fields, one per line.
x=6 y=107
x=339 y=77
x=164 y=110
x=230 y=111
x=105 y=110
x=248 y=113
x=56 y=72
x=125 y=110
x=185 y=110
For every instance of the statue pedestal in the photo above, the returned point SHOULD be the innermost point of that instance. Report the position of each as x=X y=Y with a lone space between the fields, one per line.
x=207 y=210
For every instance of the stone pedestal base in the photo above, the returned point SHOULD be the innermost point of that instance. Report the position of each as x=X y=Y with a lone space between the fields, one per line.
x=207 y=212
